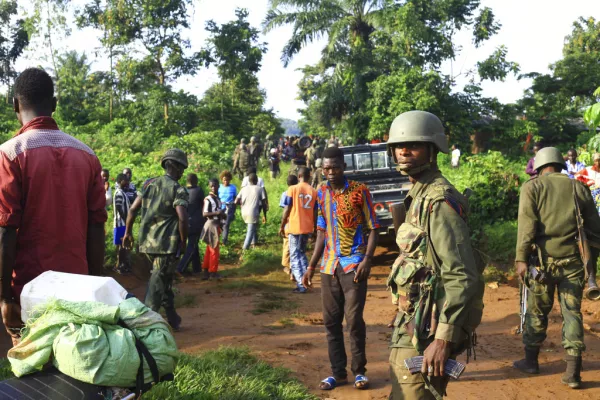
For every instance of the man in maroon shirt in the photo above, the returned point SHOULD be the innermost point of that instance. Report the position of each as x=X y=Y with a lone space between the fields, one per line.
x=52 y=199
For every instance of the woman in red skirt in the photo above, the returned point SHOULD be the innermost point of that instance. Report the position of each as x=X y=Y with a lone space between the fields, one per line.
x=211 y=233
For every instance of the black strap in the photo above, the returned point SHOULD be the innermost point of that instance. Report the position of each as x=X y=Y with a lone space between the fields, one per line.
x=143 y=352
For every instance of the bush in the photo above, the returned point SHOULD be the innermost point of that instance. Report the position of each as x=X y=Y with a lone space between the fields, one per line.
x=495 y=182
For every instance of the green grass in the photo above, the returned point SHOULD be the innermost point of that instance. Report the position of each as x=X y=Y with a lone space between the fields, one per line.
x=229 y=374
x=272 y=302
x=185 y=300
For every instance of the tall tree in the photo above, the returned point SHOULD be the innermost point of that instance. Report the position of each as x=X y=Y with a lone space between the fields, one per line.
x=236 y=52
x=158 y=25
x=13 y=40
x=116 y=23
x=49 y=23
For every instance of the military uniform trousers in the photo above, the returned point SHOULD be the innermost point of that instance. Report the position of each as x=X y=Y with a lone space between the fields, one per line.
x=568 y=280
x=411 y=387
x=160 y=286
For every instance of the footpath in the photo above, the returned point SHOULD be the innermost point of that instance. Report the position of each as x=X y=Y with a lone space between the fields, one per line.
x=286 y=329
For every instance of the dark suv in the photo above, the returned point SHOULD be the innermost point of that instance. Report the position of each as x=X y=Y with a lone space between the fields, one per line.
x=371 y=165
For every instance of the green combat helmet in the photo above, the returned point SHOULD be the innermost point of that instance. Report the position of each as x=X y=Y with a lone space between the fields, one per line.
x=417 y=126
x=176 y=155
x=548 y=155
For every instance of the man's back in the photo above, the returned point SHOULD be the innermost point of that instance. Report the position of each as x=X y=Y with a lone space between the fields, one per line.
x=159 y=228
x=251 y=199
x=303 y=203
x=196 y=202
x=50 y=190
x=547 y=214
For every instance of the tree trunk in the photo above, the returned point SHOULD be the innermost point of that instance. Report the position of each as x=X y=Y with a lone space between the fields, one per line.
x=112 y=86
x=49 y=26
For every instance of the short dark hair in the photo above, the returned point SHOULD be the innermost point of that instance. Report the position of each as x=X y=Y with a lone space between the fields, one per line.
x=121 y=177
x=304 y=172
x=192 y=179
x=214 y=181
x=107 y=172
x=333 y=152
x=226 y=174
x=292 y=180
x=251 y=170
x=34 y=87
x=572 y=151
x=253 y=179
x=539 y=145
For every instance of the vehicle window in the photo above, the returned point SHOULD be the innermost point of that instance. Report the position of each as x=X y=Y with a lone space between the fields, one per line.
x=380 y=160
x=363 y=161
x=348 y=161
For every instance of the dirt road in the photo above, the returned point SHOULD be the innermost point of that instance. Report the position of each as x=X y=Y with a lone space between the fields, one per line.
x=296 y=339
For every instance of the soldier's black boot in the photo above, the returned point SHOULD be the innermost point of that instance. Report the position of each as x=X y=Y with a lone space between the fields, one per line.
x=572 y=376
x=529 y=364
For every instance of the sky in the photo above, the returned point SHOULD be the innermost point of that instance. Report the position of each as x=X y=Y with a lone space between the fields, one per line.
x=532 y=30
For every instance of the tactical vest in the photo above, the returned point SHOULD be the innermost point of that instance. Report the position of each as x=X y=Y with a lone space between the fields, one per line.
x=415 y=277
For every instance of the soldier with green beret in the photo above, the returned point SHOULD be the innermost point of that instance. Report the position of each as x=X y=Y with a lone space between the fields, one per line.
x=548 y=228
x=436 y=280
x=163 y=230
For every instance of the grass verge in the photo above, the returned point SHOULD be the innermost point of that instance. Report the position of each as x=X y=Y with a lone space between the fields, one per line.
x=229 y=374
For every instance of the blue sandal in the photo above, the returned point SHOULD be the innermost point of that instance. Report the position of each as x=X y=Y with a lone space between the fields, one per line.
x=331 y=383
x=361 y=382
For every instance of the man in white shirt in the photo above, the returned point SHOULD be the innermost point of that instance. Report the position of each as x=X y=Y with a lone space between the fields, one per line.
x=455 y=161
x=246 y=182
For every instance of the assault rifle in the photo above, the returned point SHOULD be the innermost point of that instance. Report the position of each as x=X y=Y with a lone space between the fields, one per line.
x=538 y=276
x=452 y=368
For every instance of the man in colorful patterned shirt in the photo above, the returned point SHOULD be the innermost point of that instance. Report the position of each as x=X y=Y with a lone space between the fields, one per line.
x=346 y=239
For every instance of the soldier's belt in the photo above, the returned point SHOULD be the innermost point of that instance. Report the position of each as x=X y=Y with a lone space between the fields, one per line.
x=452 y=368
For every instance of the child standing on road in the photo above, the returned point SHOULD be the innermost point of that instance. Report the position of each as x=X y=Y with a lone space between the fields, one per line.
x=285 y=254
x=121 y=209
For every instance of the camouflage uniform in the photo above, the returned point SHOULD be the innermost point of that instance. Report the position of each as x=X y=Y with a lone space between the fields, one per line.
x=310 y=155
x=244 y=162
x=159 y=237
x=436 y=253
x=436 y=282
x=236 y=163
x=547 y=220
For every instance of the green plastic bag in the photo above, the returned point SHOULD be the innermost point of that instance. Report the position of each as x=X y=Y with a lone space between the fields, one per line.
x=87 y=343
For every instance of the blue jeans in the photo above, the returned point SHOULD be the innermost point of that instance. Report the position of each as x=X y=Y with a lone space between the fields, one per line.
x=298 y=259
x=192 y=253
x=250 y=235
x=230 y=212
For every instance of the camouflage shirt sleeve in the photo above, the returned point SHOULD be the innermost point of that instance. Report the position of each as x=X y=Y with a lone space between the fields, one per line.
x=459 y=275
x=181 y=197
x=526 y=222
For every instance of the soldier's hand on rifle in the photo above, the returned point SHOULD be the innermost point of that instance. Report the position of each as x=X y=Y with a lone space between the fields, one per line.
x=521 y=268
x=435 y=357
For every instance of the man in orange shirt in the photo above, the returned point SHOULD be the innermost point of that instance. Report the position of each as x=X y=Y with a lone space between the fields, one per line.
x=300 y=214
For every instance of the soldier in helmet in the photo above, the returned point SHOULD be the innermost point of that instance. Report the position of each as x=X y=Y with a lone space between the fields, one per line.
x=254 y=150
x=236 y=159
x=163 y=230
x=436 y=281
x=245 y=162
x=310 y=154
x=548 y=227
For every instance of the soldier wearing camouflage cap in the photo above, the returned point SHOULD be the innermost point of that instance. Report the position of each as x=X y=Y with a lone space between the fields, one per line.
x=163 y=230
x=547 y=226
x=435 y=281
